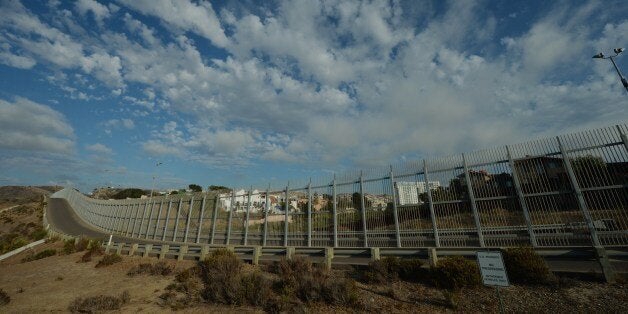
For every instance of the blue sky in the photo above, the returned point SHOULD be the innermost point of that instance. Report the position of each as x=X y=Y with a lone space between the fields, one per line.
x=235 y=93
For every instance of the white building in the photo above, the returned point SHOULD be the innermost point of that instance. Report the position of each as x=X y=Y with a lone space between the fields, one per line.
x=408 y=192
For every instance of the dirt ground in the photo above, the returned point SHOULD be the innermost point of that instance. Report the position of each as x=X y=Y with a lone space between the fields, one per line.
x=52 y=283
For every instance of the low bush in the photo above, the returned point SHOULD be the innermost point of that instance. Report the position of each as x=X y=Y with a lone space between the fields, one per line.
x=298 y=278
x=99 y=303
x=40 y=255
x=109 y=259
x=68 y=247
x=220 y=274
x=38 y=234
x=81 y=245
x=382 y=271
x=4 y=298
x=185 y=291
x=525 y=266
x=11 y=241
x=412 y=270
x=157 y=269
x=455 y=272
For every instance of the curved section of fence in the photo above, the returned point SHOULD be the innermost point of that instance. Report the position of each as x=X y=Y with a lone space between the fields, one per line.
x=570 y=190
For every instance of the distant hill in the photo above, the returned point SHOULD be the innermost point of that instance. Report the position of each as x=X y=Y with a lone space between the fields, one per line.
x=24 y=194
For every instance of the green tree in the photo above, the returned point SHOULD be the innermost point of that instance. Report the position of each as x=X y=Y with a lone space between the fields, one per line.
x=219 y=188
x=130 y=193
x=356 y=199
x=195 y=188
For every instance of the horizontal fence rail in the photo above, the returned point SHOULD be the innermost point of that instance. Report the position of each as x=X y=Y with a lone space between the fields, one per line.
x=567 y=191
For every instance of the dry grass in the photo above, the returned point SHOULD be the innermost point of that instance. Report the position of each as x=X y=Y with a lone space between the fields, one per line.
x=4 y=298
x=108 y=260
x=157 y=269
x=99 y=303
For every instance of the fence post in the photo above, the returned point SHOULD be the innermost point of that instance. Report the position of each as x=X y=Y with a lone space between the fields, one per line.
x=161 y=205
x=139 y=232
x=137 y=215
x=127 y=218
x=285 y=222
x=334 y=211
x=309 y=213
x=521 y=197
x=187 y=224
x=431 y=204
x=576 y=187
x=163 y=235
x=150 y=218
x=176 y=221
x=395 y=210
x=200 y=220
x=214 y=217
x=266 y=207
x=248 y=211
x=474 y=208
x=230 y=215
x=363 y=210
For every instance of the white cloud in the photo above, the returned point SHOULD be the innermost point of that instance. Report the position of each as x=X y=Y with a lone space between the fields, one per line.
x=198 y=18
x=118 y=124
x=26 y=125
x=16 y=61
x=99 y=149
x=99 y=11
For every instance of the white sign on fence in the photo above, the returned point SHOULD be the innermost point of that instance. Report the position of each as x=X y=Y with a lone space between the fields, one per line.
x=492 y=269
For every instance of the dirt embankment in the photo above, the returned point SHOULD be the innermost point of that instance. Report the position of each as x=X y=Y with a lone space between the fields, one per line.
x=56 y=282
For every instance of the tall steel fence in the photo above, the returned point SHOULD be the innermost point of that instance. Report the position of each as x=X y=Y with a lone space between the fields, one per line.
x=571 y=190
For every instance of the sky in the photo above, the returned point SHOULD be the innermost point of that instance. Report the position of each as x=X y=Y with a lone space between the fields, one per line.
x=96 y=93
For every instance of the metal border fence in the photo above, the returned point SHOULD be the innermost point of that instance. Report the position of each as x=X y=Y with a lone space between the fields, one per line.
x=570 y=190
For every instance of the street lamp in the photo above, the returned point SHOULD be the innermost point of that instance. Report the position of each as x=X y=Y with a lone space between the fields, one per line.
x=153 y=187
x=617 y=52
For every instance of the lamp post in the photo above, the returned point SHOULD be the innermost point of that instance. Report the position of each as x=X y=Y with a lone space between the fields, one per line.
x=153 y=187
x=617 y=52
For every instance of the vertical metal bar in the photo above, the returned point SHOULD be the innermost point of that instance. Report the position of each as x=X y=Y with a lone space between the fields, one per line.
x=248 y=211
x=200 y=220
x=163 y=235
x=150 y=218
x=521 y=197
x=266 y=207
x=187 y=224
x=335 y=211
x=474 y=208
x=139 y=231
x=128 y=218
x=431 y=203
x=309 y=213
x=285 y=222
x=363 y=210
x=161 y=204
x=230 y=215
x=137 y=215
x=214 y=217
x=395 y=212
x=176 y=221
x=581 y=202
x=623 y=137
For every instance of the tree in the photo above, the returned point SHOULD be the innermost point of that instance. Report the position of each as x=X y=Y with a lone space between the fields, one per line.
x=195 y=188
x=219 y=188
x=129 y=193
x=357 y=203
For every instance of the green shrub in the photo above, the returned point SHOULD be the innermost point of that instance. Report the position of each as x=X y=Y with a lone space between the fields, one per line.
x=40 y=255
x=38 y=234
x=4 y=298
x=455 y=272
x=68 y=247
x=220 y=274
x=99 y=303
x=11 y=241
x=109 y=259
x=525 y=266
